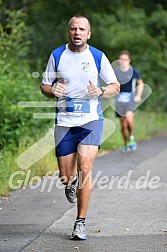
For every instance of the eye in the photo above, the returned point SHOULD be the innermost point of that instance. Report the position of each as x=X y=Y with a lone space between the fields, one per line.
x=72 y=29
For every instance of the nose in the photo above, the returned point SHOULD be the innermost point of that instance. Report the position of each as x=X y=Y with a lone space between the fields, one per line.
x=77 y=31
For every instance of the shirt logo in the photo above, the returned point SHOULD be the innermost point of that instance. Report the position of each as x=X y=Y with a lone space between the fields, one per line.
x=85 y=67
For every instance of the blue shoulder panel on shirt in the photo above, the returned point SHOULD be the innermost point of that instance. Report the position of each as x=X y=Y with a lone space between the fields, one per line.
x=97 y=54
x=57 y=54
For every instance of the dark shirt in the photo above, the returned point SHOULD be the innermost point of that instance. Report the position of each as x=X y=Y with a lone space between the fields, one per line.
x=127 y=79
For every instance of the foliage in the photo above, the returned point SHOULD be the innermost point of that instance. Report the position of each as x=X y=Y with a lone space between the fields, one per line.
x=16 y=83
x=18 y=128
x=115 y=26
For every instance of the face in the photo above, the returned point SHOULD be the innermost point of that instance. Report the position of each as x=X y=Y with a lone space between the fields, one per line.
x=79 y=33
x=124 y=61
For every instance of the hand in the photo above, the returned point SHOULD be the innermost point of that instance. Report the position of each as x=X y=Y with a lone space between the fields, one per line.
x=93 y=90
x=59 y=89
x=137 y=98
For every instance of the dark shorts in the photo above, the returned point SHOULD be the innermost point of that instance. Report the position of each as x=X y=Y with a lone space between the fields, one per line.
x=67 y=139
x=121 y=108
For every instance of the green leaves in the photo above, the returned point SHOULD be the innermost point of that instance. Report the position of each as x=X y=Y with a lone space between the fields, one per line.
x=16 y=82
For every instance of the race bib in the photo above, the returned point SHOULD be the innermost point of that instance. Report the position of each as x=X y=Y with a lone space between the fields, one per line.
x=77 y=105
x=124 y=97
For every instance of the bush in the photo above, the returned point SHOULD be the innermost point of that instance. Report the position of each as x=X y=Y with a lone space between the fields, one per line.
x=16 y=83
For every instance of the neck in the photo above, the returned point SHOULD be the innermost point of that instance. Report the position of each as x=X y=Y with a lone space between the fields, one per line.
x=74 y=48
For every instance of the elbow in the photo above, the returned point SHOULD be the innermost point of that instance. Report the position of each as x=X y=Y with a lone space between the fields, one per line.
x=118 y=88
x=41 y=88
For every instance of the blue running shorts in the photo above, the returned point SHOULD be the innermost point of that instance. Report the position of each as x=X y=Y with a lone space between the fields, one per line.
x=67 y=139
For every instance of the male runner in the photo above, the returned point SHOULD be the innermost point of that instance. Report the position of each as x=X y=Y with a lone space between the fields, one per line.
x=72 y=76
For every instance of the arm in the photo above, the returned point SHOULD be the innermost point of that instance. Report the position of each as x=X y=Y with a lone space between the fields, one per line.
x=110 y=90
x=49 y=78
x=47 y=90
x=52 y=92
x=108 y=76
x=140 y=89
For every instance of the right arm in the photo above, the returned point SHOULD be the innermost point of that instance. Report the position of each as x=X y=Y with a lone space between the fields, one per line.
x=52 y=92
x=49 y=78
x=47 y=90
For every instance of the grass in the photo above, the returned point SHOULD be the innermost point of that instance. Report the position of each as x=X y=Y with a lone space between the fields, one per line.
x=9 y=167
x=147 y=124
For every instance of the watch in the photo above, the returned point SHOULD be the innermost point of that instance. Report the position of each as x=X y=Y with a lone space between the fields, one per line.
x=103 y=89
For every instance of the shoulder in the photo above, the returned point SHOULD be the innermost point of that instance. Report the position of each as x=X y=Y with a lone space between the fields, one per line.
x=136 y=74
x=58 y=50
x=57 y=54
x=135 y=71
x=96 y=52
x=94 y=49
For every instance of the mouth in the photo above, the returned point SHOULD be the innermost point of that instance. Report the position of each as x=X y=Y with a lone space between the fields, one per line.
x=77 y=40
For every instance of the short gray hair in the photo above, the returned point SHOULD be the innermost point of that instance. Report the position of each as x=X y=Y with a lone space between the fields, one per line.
x=78 y=16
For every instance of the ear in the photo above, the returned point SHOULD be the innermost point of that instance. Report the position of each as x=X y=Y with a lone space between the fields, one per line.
x=89 y=35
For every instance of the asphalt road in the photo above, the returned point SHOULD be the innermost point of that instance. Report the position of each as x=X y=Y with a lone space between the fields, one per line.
x=127 y=211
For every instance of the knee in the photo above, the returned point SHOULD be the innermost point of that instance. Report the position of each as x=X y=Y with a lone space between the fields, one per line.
x=84 y=170
x=65 y=178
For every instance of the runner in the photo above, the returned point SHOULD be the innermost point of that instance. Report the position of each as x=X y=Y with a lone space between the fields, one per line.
x=126 y=99
x=72 y=76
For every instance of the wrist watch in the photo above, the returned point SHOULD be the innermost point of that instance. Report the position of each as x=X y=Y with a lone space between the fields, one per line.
x=103 y=89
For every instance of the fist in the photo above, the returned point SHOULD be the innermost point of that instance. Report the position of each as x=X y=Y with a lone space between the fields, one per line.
x=93 y=90
x=137 y=98
x=59 y=89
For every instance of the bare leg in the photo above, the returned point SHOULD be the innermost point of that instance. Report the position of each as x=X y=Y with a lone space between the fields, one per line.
x=124 y=129
x=129 y=118
x=68 y=167
x=86 y=156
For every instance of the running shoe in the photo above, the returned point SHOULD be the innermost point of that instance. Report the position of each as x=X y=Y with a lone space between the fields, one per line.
x=125 y=149
x=132 y=143
x=79 y=232
x=70 y=191
x=133 y=147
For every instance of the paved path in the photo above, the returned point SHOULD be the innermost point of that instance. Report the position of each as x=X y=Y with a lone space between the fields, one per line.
x=122 y=216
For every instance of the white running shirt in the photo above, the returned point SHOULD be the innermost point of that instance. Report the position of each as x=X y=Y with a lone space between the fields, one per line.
x=78 y=69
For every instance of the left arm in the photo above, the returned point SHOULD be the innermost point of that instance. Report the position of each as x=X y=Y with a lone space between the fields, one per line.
x=110 y=90
x=108 y=76
x=140 y=89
